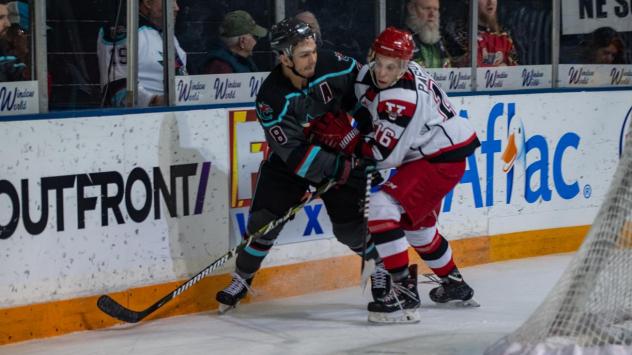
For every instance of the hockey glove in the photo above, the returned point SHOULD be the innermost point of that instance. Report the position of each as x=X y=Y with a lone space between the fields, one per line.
x=335 y=132
x=356 y=168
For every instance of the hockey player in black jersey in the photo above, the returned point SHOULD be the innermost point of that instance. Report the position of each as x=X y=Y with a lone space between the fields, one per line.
x=303 y=87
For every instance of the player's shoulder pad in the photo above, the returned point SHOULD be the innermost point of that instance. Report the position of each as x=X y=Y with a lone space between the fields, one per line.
x=336 y=62
x=397 y=102
x=271 y=98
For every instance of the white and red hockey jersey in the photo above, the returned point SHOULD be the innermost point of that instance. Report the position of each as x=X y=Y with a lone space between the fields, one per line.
x=412 y=120
x=112 y=55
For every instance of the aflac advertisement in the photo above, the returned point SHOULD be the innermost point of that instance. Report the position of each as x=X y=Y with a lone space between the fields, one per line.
x=546 y=161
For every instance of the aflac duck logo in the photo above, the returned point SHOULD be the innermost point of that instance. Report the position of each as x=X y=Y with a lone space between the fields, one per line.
x=515 y=152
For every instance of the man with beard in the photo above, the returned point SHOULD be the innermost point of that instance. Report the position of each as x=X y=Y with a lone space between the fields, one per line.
x=495 y=46
x=423 y=22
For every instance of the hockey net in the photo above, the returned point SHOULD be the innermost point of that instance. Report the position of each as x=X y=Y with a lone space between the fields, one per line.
x=589 y=311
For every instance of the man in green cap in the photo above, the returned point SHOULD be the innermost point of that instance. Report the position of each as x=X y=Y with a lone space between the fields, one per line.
x=238 y=35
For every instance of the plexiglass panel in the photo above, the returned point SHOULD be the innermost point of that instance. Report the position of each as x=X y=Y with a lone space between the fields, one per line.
x=514 y=45
x=441 y=33
x=348 y=27
x=595 y=44
x=18 y=88
x=72 y=51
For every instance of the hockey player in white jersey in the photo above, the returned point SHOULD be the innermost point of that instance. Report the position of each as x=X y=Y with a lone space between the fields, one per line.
x=112 y=55
x=416 y=131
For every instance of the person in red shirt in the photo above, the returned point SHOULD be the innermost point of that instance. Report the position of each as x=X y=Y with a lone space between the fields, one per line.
x=495 y=46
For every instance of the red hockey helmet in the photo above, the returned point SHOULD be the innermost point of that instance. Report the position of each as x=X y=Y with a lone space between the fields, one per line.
x=396 y=43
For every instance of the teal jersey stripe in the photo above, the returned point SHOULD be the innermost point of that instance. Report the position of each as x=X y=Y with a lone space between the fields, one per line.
x=255 y=252
x=331 y=75
x=283 y=112
x=304 y=91
x=302 y=171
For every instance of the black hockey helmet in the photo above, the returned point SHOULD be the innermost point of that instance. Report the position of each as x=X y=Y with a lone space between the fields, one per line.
x=287 y=33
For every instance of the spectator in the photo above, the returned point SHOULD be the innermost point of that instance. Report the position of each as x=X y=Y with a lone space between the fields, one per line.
x=17 y=36
x=341 y=41
x=603 y=46
x=495 y=46
x=238 y=35
x=11 y=69
x=309 y=18
x=422 y=21
x=112 y=54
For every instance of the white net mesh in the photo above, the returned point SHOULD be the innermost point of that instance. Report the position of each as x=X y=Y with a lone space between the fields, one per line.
x=589 y=311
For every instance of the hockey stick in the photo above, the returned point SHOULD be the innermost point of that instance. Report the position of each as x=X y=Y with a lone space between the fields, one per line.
x=367 y=267
x=116 y=310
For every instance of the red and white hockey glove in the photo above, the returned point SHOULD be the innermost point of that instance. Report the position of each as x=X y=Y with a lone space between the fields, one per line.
x=335 y=132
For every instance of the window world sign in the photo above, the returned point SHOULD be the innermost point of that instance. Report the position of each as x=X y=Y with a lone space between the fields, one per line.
x=218 y=88
x=18 y=98
x=595 y=75
x=452 y=79
x=514 y=78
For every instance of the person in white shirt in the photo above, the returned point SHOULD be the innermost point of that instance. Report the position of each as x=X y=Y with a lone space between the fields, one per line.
x=415 y=130
x=112 y=55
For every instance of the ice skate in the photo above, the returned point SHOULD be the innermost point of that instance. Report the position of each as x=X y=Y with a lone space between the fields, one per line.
x=401 y=304
x=452 y=290
x=380 y=283
x=229 y=297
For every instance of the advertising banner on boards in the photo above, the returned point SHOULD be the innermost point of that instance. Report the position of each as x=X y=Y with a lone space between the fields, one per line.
x=529 y=173
x=101 y=203
x=585 y=16
x=218 y=88
x=595 y=75
x=18 y=98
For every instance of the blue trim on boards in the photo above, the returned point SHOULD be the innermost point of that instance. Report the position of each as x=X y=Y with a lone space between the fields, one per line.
x=538 y=91
x=135 y=111
x=120 y=111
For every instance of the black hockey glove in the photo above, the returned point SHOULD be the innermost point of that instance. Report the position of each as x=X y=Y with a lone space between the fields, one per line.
x=353 y=171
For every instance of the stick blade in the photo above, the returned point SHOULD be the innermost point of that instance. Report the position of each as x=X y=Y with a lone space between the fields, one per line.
x=368 y=267
x=115 y=310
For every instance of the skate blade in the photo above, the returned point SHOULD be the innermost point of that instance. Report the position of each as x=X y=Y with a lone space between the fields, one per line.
x=409 y=316
x=461 y=304
x=224 y=308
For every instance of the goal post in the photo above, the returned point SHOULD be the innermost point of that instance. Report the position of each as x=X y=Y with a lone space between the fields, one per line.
x=589 y=310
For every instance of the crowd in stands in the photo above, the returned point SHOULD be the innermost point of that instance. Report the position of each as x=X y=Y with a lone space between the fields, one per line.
x=240 y=42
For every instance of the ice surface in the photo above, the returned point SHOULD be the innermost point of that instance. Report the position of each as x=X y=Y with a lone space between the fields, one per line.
x=331 y=322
